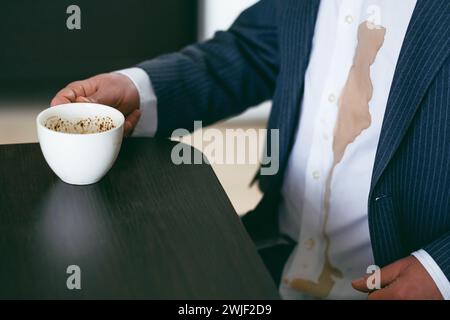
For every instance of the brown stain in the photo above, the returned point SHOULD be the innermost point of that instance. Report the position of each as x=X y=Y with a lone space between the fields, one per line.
x=354 y=115
x=353 y=118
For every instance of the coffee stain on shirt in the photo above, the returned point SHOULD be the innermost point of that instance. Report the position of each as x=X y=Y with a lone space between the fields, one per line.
x=354 y=115
x=352 y=119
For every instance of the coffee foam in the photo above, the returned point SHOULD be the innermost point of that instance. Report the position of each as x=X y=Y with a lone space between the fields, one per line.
x=82 y=126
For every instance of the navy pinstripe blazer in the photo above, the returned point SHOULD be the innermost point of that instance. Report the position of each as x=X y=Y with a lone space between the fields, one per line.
x=264 y=56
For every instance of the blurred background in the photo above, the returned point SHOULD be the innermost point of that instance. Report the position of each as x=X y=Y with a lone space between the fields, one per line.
x=39 y=56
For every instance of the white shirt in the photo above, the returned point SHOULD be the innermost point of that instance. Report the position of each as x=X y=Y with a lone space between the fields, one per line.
x=301 y=212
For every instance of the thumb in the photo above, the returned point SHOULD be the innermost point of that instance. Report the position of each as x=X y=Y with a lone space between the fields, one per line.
x=131 y=121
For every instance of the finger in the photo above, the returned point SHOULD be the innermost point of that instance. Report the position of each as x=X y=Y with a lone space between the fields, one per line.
x=103 y=96
x=388 y=293
x=83 y=99
x=97 y=97
x=100 y=97
x=73 y=92
x=391 y=272
x=57 y=100
x=65 y=95
x=83 y=88
x=387 y=275
x=360 y=284
x=131 y=122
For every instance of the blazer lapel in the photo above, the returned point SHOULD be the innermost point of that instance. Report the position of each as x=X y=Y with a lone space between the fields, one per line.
x=425 y=49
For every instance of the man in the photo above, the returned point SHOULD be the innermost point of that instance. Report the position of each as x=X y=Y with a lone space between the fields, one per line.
x=361 y=98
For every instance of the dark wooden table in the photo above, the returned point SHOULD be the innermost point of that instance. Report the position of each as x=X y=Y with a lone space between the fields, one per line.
x=149 y=229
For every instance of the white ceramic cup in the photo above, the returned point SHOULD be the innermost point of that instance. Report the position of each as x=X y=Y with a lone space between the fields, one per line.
x=80 y=159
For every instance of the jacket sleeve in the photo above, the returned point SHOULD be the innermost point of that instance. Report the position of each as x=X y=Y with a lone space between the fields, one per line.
x=439 y=250
x=221 y=77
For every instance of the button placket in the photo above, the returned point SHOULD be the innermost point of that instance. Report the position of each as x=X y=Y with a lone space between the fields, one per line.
x=349 y=19
x=320 y=156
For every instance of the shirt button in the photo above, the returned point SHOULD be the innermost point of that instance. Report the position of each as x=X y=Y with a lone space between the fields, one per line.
x=309 y=244
x=331 y=98
x=325 y=136
x=316 y=175
x=349 y=19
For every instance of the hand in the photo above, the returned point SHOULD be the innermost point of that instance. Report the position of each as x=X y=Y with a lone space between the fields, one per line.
x=112 y=89
x=405 y=279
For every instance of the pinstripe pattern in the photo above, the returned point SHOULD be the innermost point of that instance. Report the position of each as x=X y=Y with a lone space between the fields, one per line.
x=411 y=167
x=265 y=55
x=416 y=183
x=221 y=77
x=295 y=48
x=426 y=46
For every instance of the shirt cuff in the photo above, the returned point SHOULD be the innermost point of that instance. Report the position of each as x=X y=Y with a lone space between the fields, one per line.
x=435 y=272
x=148 y=123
